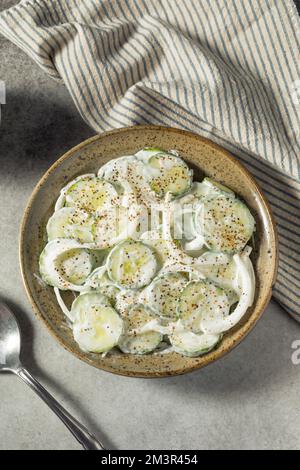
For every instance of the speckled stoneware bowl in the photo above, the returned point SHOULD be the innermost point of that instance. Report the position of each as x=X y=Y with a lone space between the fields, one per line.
x=205 y=158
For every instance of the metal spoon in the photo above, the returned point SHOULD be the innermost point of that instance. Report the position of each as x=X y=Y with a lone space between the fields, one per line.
x=10 y=345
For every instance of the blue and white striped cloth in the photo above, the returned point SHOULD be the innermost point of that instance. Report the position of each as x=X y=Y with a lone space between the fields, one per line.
x=226 y=69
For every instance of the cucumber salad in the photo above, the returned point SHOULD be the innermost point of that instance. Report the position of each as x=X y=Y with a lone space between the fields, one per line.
x=156 y=261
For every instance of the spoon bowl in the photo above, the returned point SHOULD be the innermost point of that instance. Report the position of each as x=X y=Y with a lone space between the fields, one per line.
x=10 y=340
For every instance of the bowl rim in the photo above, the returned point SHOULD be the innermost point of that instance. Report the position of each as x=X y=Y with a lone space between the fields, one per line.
x=87 y=142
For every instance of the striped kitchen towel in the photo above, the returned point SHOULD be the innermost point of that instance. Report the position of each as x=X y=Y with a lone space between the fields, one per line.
x=226 y=69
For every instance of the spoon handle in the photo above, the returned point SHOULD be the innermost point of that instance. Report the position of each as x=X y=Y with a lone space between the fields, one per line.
x=80 y=432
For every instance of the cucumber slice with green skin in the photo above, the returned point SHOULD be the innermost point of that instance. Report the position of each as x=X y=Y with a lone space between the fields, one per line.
x=91 y=195
x=65 y=263
x=146 y=153
x=163 y=293
x=139 y=343
x=225 y=276
x=193 y=196
x=190 y=344
x=225 y=223
x=116 y=224
x=85 y=301
x=69 y=222
x=169 y=174
x=98 y=280
x=201 y=299
x=97 y=326
x=62 y=196
x=131 y=264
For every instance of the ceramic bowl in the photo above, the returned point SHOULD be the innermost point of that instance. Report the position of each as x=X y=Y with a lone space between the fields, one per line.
x=205 y=157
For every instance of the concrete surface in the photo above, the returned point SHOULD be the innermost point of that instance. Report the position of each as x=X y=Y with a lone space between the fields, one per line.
x=249 y=399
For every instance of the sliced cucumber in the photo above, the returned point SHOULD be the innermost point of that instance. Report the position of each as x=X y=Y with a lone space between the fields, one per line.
x=169 y=174
x=146 y=153
x=193 y=196
x=115 y=224
x=199 y=190
x=131 y=264
x=117 y=170
x=223 y=275
x=155 y=240
x=65 y=263
x=215 y=187
x=225 y=223
x=125 y=299
x=99 y=281
x=85 y=301
x=97 y=326
x=70 y=222
x=199 y=299
x=208 y=187
x=164 y=292
x=139 y=343
x=62 y=196
x=91 y=195
x=190 y=344
x=209 y=258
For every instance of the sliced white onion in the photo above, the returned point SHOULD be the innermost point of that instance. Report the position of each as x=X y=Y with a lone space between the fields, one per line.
x=194 y=245
x=62 y=304
x=155 y=325
x=216 y=325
